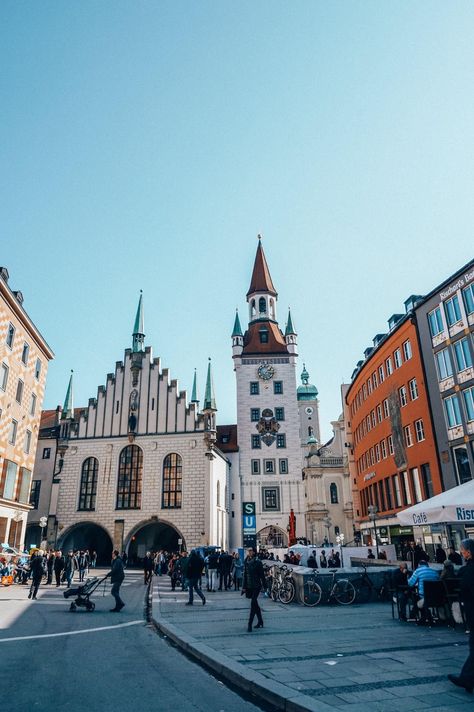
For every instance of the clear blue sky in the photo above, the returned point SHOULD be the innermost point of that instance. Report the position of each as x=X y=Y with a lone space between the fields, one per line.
x=144 y=145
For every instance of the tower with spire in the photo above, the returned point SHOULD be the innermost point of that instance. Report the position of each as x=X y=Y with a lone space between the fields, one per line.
x=269 y=471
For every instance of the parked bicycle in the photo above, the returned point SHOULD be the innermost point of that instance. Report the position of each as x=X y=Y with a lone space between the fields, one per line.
x=340 y=590
x=281 y=586
x=367 y=590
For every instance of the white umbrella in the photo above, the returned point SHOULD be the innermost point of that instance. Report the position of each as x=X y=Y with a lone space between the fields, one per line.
x=454 y=505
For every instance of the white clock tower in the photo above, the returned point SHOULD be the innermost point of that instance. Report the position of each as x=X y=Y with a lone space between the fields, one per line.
x=268 y=423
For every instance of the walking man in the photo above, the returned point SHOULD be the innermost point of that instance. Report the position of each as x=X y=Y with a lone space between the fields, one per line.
x=69 y=568
x=254 y=581
x=58 y=566
x=36 y=573
x=147 y=567
x=195 y=567
x=83 y=565
x=466 y=678
x=117 y=575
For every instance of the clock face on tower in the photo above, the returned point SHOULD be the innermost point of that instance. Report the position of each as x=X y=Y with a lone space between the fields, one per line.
x=265 y=371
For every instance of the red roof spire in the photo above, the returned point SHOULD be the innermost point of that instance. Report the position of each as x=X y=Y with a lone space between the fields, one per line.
x=261 y=280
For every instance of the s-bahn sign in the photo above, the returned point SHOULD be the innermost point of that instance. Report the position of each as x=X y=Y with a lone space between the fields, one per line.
x=249 y=524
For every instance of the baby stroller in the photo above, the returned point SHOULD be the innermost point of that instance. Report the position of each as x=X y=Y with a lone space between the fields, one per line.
x=83 y=593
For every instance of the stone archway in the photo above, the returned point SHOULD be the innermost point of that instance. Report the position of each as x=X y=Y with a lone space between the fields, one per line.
x=88 y=535
x=152 y=536
x=272 y=537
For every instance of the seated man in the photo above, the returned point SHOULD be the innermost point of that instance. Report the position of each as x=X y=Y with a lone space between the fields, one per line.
x=423 y=573
x=400 y=582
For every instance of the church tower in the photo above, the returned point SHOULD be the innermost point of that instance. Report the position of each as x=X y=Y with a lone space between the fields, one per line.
x=268 y=425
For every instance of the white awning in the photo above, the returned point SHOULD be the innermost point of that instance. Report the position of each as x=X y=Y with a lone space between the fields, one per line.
x=454 y=505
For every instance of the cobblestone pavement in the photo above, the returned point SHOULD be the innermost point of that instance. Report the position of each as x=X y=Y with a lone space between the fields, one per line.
x=329 y=657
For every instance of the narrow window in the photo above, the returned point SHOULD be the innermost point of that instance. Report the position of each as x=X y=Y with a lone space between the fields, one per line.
x=254 y=388
x=19 y=391
x=88 y=487
x=278 y=387
x=333 y=493
x=10 y=336
x=4 y=377
x=24 y=353
x=255 y=467
x=37 y=369
x=129 y=486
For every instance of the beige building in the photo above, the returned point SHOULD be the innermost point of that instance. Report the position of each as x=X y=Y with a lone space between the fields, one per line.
x=24 y=358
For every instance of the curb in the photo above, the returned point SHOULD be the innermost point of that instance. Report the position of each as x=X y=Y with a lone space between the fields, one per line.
x=251 y=682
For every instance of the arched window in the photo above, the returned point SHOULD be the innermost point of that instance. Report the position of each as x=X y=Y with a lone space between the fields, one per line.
x=172 y=481
x=88 y=490
x=333 y=493
x=272 y=309
x=129 y=489
x=262 y=305
x=218 y=494
x=253 y=309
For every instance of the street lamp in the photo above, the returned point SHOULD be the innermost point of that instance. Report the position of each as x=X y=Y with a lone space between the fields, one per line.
x=340 y=542
x=372 y=509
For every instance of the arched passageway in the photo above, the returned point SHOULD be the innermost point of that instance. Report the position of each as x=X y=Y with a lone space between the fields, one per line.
x=88 y=536
x=270 y=537
x=153 y=537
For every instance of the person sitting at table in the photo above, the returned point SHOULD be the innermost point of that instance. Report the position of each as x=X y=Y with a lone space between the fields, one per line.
x=448 y=571
x=400 y=582
x=417 y=579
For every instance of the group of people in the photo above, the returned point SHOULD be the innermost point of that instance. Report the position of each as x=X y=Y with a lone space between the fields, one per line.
x=53 y=565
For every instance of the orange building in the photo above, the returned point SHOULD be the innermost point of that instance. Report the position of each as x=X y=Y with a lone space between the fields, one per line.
x=394 y=461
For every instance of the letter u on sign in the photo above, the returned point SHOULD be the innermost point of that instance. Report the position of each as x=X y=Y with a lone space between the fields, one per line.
x=250 y=521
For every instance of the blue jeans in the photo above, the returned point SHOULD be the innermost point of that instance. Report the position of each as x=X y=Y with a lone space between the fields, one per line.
x=115 y=593
x=194 y=586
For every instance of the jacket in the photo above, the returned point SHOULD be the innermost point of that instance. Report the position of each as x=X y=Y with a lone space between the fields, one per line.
x=36 y=567
x=58 y=563
x=195 y=565
x=254 y=576
x=466 y=574
x=116 y=572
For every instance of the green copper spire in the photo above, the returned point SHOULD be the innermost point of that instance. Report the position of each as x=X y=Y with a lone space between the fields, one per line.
x=194 y=395
x=138 y=336
x=68 y=407
x=209 y=397
x=237 y=330
x=289 y=325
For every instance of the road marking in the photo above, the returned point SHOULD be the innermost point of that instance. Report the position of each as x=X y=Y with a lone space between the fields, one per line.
x=71 y=632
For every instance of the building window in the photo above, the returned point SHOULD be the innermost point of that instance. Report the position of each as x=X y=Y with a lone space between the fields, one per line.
x=373 y=419
x=218 y=494
x=389 y=366
x=367 y=389
x=173 y=482
x=469 y=298
x=263 y=333
x=10 y=470
x=397 y=357
x=415 y=478
x=27 y=443
x=281 y=440
x=407 y=350
x=13 y=431
x=462 y=354
x=269 y=467
x=444 y=365
x=402 y=392
x=435 y=321
x=377 y=453
x=419 y=430
x=255 y=467
x=24 y=353
x=254 y=388
x=35 y=493
x=283 y=463
x=452 y=310
x=379 y=413
x=19 y=391
x=129 y=489
x=10 y=336
x=256 y=443
x=463 y=468
x=280 y=413
x=388 y=493
x=33 y=404
x=254 y=415
x=427 y=481
x=452 y=411
x=262 y=305
x=390 y=444
x=278 y=387
x=46 y=453
x=407 y=436
x=374 y=379
x=383 y=447
x=270 y=499
x=88 y=488
x=406 y=487
x=333 y=493
x=4 y=377
x=381 y=374
x=386 y=410
x=413 y=389
x=37 y=369
x=468 y=396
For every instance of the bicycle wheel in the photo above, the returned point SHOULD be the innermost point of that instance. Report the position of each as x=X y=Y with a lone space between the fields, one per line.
x=287 y=592
x=344 y=592
x=311 y=593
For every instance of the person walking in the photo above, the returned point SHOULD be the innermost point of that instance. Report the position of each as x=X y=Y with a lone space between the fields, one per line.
x=147 y=567
x=49 y=566
x=93 y=559
x=253 y=582
x=82 y=565
x=212 y=564
x=238 y=571
x=195 y=567
x=117 y=575
x=69 y=568
x=466 y=574
x=36 y=573
x=58 y=567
